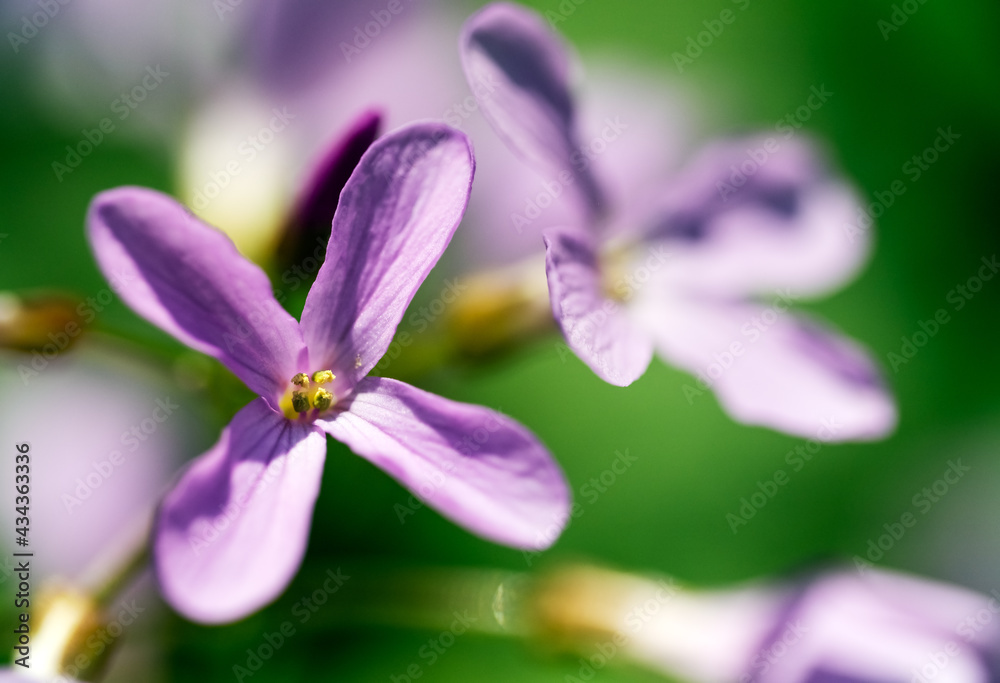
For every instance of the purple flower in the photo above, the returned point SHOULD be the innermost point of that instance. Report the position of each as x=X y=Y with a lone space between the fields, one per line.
x=879 y=627
x=837 y=626
x=232 y=532
x=750 y=219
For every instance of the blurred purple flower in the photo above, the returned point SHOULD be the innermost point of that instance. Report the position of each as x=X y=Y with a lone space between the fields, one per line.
x=753 y=218
x=878 y=627
x=839 y=626
x=232 y=533
x=96 y=475
x=313 y=210
x=293 y=61
x=303 y=57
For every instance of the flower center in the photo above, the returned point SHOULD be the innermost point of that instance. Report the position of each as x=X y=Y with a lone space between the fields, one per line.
x=614 y=264
x=628 y=268
x=306 y=395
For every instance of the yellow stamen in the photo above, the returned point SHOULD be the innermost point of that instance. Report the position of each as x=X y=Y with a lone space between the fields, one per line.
x=300 y=401
x=323 y=399
x=297 y=403
x=323 y=377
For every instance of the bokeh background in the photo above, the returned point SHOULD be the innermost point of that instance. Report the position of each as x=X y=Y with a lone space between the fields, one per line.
x=666 y=514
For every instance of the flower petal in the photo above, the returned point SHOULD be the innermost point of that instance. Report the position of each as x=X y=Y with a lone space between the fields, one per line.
x=314 y=209
x=9 y=675
x=519 y=70
x=298 y=45
x=475 y=466
x=877 y=625
x=597 y=329
x=754 y=215
x=770 y=368
x=189 y=280
x=396 y=215
x=232 y=532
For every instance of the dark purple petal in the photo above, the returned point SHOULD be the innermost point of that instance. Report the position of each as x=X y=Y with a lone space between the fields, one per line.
x=313 y=213
x=189 y=280
x=519 y=71
x=475 y=466
x=597 y=328
x=771 y=368
x=232 y=532
x=757 y=214
x=396 y=215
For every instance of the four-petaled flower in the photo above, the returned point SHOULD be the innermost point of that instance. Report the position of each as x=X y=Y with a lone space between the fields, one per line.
x=749 y=219
x=231 y=534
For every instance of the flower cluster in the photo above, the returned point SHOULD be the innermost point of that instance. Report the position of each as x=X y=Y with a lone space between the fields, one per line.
x=704 y=270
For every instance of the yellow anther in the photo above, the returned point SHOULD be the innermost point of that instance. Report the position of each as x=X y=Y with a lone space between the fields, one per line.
x=323 y=376
x=300 y=401
x=323 y=399
x=301 y=379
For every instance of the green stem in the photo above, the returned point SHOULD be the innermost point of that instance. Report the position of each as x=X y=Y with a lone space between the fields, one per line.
x=123 y=576
x=491 y=601
x=498 y=312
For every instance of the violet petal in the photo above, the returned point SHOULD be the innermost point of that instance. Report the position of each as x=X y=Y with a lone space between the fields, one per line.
x=188 y=279
x=475 y=466
x=519 y=71
x=597 y=328
x=753 y=215
x=233 y=531
x=396 y=215
x=771 y=368
x=878 y=626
